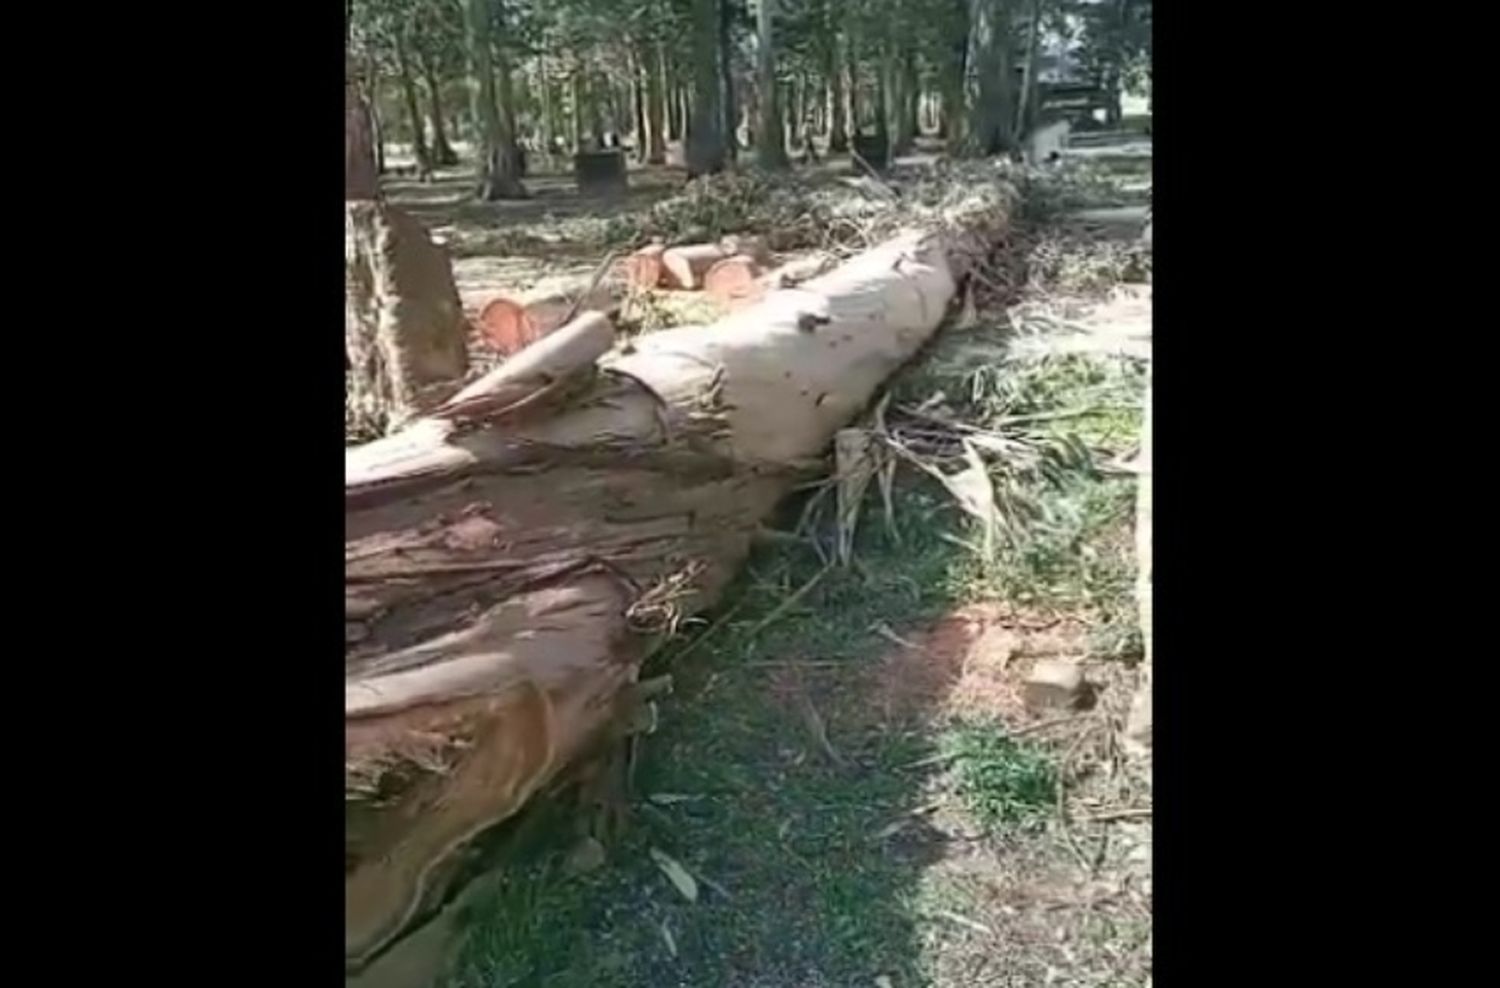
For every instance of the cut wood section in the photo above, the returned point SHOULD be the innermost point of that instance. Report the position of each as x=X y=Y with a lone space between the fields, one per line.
x=733 y=280
x=744 y=243
x=683 y=268
x=789 y=275
x=510 y=323
x=507 y=573
x=643 y=268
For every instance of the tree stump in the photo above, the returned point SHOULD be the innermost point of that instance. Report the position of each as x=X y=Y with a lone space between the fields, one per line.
x=600 y=172
x=875 y=149
x=405 y=335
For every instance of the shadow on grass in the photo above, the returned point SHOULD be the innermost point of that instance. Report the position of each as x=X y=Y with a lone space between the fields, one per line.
x=800 y=881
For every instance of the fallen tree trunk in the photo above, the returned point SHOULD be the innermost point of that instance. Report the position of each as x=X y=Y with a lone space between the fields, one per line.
x=511 y=558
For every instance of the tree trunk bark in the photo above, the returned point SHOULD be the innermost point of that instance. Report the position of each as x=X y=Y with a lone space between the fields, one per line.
x=576 y=83
x=443 y=154
x=371 y=91
x=361 y=170
x=1026 y=101
x=656 y=145
x=510 y=138
x=413 y=111
x=726 y=70
x=498 y=172
x=670 y=88
x=549 y=109
x=953 y=110
x=638 y=74
x=405 y=335
x=911 y=96
x=992 y=106
x=511 y=559
x=770 y=139
x=838 y=133
x=705 y=150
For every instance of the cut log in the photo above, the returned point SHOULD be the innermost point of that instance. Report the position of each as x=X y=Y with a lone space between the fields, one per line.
x=683 y=267
x=512 y=571
x=789 y=275
x=733 y=279
x=643 y=268
x=743 y=243
x=510 y=323
x=405 y=335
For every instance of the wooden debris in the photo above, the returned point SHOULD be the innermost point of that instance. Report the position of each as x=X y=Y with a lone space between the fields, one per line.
x=1053 y=683
x=510 y=323
x=733 y=280
x=643 y=269
x=683 y=267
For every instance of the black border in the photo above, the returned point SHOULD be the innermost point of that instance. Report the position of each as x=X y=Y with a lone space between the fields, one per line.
x=206 y=747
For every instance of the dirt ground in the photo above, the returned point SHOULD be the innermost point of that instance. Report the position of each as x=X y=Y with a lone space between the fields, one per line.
x=837 y=776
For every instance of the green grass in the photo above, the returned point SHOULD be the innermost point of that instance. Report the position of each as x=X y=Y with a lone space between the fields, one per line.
x=1004 y=782
x=812 y=900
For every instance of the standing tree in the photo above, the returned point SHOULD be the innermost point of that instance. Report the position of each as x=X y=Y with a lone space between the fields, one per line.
x=992 y=94
x=727 y=13
x=1115 y=48
x=770 y=141
x=1026 y=102
x=425 y=162
x=361 y=169
x=656 y=114
x=838 y=127
x=705 y=143
x=498 y=174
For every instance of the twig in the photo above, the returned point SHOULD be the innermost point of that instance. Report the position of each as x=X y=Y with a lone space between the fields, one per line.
x=817 y=728
x=718 y=623
x=1045 y=724
x=795 y=664
x=859 y=160
x=593 y=284
x=789 y=603
x=1128 y=813
x=961 y=920
x=1067 y=413
x=1062 y=806
x=884 y=631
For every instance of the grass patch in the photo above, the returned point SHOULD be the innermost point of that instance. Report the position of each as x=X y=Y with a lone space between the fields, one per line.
x=1005 y=783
